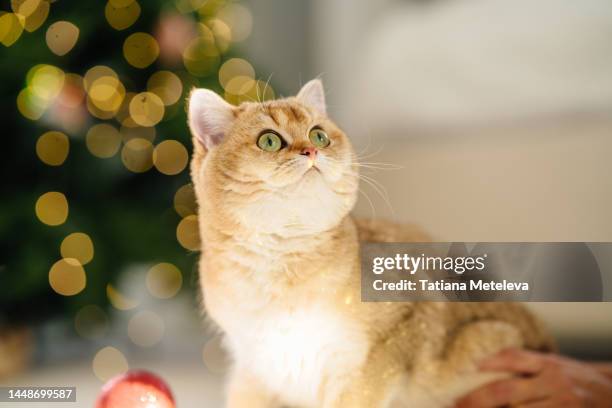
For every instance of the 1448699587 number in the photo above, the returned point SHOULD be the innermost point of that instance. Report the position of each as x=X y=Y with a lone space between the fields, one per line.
x=14 y=394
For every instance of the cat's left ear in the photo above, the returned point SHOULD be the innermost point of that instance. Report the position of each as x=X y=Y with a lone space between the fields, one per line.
x=210 y=117
x=313 y=94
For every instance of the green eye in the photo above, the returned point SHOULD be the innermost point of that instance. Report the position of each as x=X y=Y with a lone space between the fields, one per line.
x=318 y=138
x=270 y=142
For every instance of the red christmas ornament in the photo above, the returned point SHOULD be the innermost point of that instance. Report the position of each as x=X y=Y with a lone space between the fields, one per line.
x=136 y=389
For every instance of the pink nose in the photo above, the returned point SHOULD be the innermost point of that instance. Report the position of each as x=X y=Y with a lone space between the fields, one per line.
x=311 y=152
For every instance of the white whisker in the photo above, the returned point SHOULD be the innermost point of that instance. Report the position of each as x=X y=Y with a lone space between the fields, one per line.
x=380 y=189
x=373 y=210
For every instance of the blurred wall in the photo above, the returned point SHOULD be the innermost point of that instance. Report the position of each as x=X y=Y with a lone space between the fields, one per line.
x=411 y=64
x=278 y=45
x=545 y=182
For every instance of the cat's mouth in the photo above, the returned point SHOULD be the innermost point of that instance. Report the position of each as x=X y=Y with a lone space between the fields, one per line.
x=313 y=169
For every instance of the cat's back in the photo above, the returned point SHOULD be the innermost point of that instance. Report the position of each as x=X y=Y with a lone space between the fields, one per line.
x=380 y=230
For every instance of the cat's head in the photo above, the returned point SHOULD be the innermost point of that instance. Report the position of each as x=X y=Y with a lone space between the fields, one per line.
x=278 y=166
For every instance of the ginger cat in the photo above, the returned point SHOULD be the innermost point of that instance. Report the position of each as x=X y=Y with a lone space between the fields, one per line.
x=280 y=273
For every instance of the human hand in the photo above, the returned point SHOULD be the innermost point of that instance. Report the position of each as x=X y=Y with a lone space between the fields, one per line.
x=540 y=381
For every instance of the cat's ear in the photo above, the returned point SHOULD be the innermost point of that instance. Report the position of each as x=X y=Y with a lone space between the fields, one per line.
x=312 y=94
x=210 y=117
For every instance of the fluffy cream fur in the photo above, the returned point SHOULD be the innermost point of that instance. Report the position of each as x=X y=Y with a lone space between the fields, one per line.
x=280 y=273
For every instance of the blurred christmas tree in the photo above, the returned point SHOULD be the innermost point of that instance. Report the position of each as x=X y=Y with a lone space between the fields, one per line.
x=95 y=142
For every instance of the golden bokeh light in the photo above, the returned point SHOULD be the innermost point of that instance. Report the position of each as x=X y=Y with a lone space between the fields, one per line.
x=137 y=132
x=97 y=72
x=67 y=277
x=166 y=85
x=262 y=90
x=185 y=201
x=222 y=33
x=241 y=89
x=121 y=3
x=91 y=322
x=201 y=57
x=146 y=329
x=109 y=362
x=122 y=116
x=79 y=246
x=238 y=86
x=11 y=27
x=170 y=157
x=103 y=140
x=107 y=93
x=187 y=6
x=61 y=37
x=126 y=121
x=118 y=300
x=97 y=112
x=137 y=155
x=52 y=148
x=196 y=4
x=52 y=208
x=164 y=280
x=232 y=68
x=146 y=109
x=238 y=17
x=45 y=81
x=214 y=356
x=25 y=8
x=122 y=17
x=38 y=16
x=210 y=8
x=205 y=33
x=140 y=50
x=188 y=234
x=29 y=105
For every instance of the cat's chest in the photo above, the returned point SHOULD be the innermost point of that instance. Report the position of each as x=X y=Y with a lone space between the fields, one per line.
x=294 y=352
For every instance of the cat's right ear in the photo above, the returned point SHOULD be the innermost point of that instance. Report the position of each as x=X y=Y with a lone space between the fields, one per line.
x=210 y=117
